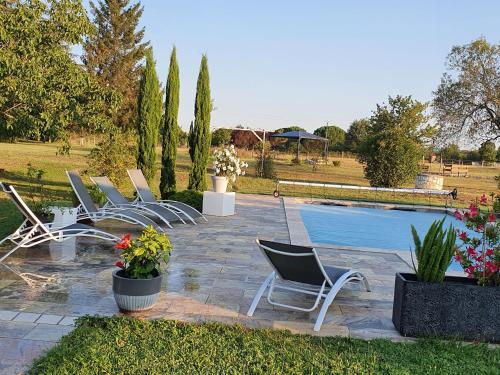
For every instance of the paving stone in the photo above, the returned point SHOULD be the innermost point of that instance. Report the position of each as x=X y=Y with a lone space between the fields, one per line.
x=49 y=319
x=14 y=329
x=48 y=332
x=26 y=317
x=68 y=321
x=7 y=315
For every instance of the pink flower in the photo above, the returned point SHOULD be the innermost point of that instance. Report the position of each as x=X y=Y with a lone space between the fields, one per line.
x=120 y=264
x=463 y=236
x=473 y=210
x=492 y=267
x=458 y=215
x=483 y=200
x=492 y=217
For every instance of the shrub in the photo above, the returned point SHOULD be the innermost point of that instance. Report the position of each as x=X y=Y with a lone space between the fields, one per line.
x=112 y=157
x=480 y=256
x=435 y=253
x=191 y=197
x=221 y=137
x=264 y=166
x=98 y=197
x=336 y=163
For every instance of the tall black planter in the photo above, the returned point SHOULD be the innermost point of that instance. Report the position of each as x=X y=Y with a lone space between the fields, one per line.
x=456 y=308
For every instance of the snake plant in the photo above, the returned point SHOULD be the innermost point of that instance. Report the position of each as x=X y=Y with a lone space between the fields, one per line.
x=435 y=253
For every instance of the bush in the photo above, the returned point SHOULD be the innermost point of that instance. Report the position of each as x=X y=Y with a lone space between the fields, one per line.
x=336 y=163
x=112 y=157
x=191 y=197
x=221 y=137
x=98 y=197
x=264 y=166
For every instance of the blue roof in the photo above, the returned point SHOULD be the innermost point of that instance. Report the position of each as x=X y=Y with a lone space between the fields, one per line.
x=299 y=134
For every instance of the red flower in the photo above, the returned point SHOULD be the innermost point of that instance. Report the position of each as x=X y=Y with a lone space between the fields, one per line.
x=120 y=264
x=458 y=258
x=479 y=228
x=463 y=236
x=483 y=200
x=471 y=251
x=458 y=215
x=473 y=210
x=489 y=252
x=124 y=243
x=492 y=217
x=470 y=270
x=466 y=215
x=491 y=267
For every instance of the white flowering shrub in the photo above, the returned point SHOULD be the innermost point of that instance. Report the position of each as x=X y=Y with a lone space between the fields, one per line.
x=227 y=164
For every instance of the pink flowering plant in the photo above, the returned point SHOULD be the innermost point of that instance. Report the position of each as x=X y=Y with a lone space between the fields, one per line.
x=479 y=255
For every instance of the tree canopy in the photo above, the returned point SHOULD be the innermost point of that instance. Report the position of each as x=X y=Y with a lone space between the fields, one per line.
x=467 y=102
x=356 y=133
x=335 y=135
x=392 y=148
x=114 y=52
x=43 y=92
x=488 y=152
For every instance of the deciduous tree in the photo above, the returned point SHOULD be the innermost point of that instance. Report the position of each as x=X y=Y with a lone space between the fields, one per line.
x=488 y=152
x=467 y=102
x=356 y=134
x=199 y=136
x=170 y=129
x=392 y=148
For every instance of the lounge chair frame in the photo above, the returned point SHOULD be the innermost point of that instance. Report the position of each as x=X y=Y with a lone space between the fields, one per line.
x=95 y=215
x=327 y=290
x=33 y=232
x=141 y=187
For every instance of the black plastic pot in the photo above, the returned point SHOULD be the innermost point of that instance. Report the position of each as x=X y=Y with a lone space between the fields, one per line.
x=456 y=308
x=135 y=294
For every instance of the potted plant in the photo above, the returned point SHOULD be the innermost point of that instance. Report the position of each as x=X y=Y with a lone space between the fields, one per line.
x=137 y=284
x=226 y=165
x=428 y=303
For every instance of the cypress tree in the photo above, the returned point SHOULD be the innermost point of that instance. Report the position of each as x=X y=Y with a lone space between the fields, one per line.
x=200 y=136
x=170 y=129
x=114 y=52
x=149 y=105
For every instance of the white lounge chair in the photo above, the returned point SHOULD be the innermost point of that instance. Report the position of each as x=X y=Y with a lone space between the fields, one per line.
x=299 y=269
x=87 y=210
x=33 y=232
x=116 y=199
x=144 y=194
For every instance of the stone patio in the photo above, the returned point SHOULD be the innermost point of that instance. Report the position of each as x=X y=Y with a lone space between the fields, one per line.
x=213 y=274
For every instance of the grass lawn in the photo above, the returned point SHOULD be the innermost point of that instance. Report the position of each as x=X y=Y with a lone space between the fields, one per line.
x=15 y=158
x=130 y=346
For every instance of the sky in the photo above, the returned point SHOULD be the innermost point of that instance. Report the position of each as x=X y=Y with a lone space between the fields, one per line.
x=280 y=63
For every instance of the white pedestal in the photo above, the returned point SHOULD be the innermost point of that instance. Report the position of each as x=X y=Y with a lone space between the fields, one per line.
x=218 y=204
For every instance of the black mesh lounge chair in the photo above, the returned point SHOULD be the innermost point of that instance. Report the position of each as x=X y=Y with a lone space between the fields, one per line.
x=145 y=195
x=33 y=232
x=88 y=210
x=116 y=199
x=299 y=269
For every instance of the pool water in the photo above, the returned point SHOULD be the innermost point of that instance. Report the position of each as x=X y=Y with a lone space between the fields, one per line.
x=371 y=227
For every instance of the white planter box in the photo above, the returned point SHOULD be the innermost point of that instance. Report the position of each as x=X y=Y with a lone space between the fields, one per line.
x=218 y=204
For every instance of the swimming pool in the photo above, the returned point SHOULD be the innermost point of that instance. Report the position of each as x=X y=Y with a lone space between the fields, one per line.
x=370 y=227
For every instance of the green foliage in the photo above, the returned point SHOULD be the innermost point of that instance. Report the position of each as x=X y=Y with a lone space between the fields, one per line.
x=288 y=145
x=39 y=201
x=450 y=152
x=221 y=137
x=335 y=135
x=435 y=253
x=170 y=129
x=113 y=54
x=199 y=137
x=467 y=101
x=488 y=152
x=98 y=197
x=112 y=157
x=44 y=94
x=148 y=119
x=393 y=147
x=142 y=257
x=182 y=139
x=191 y=197
x=264 y=166
x=356 y=134
x=136 y=346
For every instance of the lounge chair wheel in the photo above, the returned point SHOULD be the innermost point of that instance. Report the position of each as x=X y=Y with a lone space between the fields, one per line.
x=276 y=194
